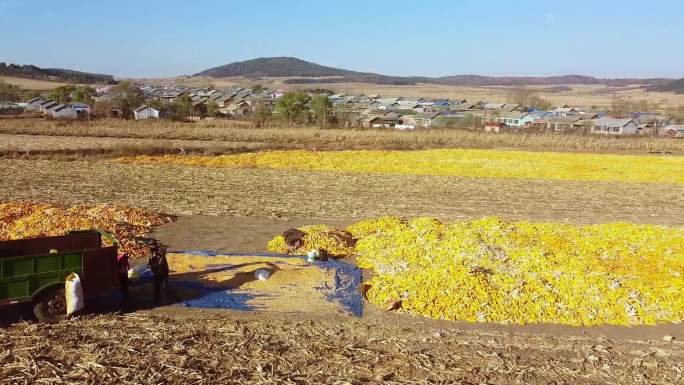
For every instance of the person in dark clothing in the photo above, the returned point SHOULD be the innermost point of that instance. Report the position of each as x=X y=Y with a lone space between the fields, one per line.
x=293 y=239
x=122 y=272
x=159 y=267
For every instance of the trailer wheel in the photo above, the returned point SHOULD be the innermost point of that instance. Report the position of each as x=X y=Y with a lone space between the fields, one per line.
x=51 y=306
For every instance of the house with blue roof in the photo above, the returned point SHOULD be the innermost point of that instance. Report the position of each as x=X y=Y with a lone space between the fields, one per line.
x=441 y=103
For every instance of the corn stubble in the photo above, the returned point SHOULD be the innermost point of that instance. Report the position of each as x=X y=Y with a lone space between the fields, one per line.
x=230 y=348
x=277 y=135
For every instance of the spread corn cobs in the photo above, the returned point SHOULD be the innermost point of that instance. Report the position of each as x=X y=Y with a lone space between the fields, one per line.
x=491 y=270
x=450 y=162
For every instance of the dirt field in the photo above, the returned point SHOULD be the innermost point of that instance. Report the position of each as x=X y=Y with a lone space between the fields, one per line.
x=231 y=234
x=308 y=194
x=231 y=348
x=31 y=143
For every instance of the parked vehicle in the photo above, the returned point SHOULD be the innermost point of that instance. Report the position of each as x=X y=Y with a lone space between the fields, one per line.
x=34 y=270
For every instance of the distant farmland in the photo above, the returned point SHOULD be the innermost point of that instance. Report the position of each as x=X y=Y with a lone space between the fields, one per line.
x=31 y=84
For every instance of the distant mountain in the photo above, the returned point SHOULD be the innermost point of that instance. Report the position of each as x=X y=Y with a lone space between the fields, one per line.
x=275 y=67
x=676 y=86
x=291 y=67
x=53 y=74
x=301 y=71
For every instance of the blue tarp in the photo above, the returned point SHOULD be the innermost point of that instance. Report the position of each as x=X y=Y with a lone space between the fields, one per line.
x=347 y=281
x=344 y=292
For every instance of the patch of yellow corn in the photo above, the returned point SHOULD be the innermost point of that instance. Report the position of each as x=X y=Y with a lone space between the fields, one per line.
x=30 y=219
x=452 y=162
x=491 y=270
x=382 y=225
x=335 y=242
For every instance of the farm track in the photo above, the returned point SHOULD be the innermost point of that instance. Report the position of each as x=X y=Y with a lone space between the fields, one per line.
x=307 y=194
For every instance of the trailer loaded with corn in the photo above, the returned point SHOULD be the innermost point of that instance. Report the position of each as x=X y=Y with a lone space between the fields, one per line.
x=34 y=270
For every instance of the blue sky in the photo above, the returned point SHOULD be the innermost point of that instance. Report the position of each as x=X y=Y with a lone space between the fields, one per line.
x=430 y=37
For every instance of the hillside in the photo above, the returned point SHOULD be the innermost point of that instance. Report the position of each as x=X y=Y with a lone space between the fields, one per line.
x=53 y=74
x=301 y=72
x=475 y=80
x=274 y=67
x=30 y=84
x=676 y=86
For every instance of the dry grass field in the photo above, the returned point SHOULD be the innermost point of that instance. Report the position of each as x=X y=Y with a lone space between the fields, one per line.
x=76 y=147
x=31 y=84
x=275 y=136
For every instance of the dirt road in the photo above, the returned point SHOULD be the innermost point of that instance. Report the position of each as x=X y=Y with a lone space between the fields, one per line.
x=231 y=234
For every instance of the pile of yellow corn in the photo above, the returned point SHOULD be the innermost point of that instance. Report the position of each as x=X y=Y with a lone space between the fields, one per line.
x=29 y=219
x=491 y=270
x=335 y=242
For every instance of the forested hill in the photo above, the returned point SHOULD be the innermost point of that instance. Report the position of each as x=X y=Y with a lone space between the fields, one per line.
x=673 y=86
x=53 y=74
x=275 y=67
x=302 y=71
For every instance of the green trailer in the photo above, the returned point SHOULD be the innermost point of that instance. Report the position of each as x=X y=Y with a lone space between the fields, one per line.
x=35 y=270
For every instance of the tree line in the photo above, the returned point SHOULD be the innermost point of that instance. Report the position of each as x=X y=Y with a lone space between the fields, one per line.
x=67 y=76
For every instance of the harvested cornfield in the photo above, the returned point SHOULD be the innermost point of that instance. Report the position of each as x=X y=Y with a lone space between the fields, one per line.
x=185 y=190
x=31 y=219
x=492 y=270
x=452 y=162
x=228 y=348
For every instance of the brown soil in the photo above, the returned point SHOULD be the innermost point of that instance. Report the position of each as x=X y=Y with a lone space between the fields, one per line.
x=230 y=234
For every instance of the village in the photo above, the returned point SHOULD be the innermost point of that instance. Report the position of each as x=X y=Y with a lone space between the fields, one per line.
x=361 y=111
